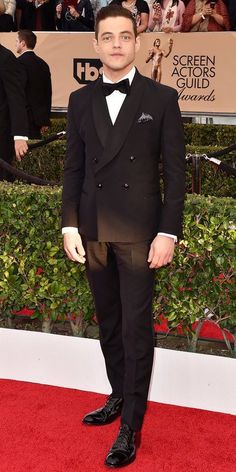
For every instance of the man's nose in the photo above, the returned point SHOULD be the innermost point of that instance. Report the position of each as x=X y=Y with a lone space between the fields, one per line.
x=116 y=43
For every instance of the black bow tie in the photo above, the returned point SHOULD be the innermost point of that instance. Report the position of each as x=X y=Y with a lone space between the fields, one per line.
x=123 y=87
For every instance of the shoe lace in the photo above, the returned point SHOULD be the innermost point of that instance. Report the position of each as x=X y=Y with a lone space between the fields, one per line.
x=123 y=438
x=109 y=405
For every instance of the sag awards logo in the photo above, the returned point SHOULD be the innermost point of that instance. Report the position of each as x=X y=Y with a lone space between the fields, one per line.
x=86 y=70
x=194 y=75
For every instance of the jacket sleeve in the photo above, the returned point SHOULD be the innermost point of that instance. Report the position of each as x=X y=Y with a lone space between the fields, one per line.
x=74 y=168
x=173 y=158
x=48 y=97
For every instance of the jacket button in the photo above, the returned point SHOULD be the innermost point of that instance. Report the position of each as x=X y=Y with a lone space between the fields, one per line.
x=132 y=158
x=99 y=185
x=95 y=160
x=126 y=186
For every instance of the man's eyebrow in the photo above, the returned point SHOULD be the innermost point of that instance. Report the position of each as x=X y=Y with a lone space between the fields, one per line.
x=121 y=32
x=107 y=32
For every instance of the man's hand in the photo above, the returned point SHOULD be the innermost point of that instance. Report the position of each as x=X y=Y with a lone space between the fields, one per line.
x=206 y=10
x=74 y=247
x=21 y=148
x=167 y=29
x=59 y=10
x=73 y=11
x=161 y=251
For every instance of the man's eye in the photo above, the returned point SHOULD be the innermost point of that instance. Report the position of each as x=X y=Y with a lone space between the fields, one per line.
x=107 y=38
x=125 y=37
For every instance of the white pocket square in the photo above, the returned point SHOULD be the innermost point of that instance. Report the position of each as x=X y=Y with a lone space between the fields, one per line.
x=144 y=118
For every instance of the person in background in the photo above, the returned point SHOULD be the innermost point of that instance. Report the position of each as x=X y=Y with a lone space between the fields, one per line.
x=97 y=5
x=232 y=13
x=166 y=16
x=37 y=83
x=139 y=10
x=76 y=15
x=36 y=15
x=7 y=12
x=206 y=15
x=13 y=115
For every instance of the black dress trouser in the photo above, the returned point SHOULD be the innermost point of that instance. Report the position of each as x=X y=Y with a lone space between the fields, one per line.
x=122 y=286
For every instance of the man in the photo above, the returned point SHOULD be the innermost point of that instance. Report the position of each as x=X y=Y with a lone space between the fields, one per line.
x=13 y=116
x=111 y=194
x=38 y=88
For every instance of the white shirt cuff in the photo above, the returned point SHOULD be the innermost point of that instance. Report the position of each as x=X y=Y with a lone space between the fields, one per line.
x=25 y=138
x=69 y=229
x=169 y=236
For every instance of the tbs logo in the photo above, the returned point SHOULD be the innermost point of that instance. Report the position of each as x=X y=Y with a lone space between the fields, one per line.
x=86 y=70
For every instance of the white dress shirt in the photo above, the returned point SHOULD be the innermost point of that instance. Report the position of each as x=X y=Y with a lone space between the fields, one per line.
x=114 y=103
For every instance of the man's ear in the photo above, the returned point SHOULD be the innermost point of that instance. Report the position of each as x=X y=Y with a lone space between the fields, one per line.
x=95 y=45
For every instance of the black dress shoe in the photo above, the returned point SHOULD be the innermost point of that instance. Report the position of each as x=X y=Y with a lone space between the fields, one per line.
x=123 y=450
x=106 y=414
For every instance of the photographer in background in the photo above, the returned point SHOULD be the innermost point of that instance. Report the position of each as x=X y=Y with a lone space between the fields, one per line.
x=206 y=15
x=73 y=15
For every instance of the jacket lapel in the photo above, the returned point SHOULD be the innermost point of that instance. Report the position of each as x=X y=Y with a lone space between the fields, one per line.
x=125 y=119
x=101 y=117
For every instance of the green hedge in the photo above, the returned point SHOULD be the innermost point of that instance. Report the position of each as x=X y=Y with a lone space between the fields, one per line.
x=210 y=135
x=196 y=134
x=47 y=162
x=34 y=271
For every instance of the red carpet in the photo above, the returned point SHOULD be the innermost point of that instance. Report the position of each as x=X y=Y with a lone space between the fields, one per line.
x=209 y=330
x=41 y=431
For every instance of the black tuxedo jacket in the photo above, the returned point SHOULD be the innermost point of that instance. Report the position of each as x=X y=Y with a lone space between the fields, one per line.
x=111 y=181
x=13 y=116
x=38 y=88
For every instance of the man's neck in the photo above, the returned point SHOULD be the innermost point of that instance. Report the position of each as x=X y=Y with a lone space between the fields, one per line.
x=117 y=75
x=26 y=50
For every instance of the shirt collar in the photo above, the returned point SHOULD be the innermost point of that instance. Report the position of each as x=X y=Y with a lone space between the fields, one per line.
x=27 y=50
x=129 y=76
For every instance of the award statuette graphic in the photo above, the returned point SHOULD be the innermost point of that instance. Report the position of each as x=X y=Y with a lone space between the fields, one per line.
x=156 y=54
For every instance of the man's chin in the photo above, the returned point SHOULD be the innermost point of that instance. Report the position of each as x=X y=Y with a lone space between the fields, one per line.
x=118 y=66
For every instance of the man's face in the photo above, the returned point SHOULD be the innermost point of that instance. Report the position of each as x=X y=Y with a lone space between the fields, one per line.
x=18 y=45
x=116 y=45
x=157 y=43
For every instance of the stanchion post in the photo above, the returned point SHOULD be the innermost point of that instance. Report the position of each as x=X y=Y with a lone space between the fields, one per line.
x=196 y=173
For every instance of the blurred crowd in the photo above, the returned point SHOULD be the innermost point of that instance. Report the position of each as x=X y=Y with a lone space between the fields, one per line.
x=151 y=15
